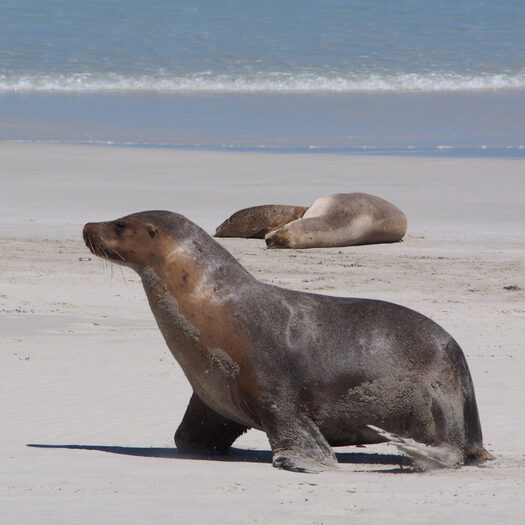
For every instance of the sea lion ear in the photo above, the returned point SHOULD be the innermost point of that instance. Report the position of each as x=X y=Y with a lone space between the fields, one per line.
x=152 y=230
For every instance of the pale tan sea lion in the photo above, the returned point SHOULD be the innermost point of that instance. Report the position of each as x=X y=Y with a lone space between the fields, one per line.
x=257 y=221
x=343 y=219
x=311 y=371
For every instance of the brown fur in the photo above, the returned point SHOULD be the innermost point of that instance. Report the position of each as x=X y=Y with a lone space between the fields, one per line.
x=256 y=222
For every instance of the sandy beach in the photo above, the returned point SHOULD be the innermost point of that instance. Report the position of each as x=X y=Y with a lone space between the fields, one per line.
x=91 y=395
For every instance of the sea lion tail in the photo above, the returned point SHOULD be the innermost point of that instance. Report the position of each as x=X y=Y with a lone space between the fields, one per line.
x=474 y=450
x=425 y=457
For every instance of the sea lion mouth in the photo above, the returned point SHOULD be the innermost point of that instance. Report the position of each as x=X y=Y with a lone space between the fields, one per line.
x=97 y=246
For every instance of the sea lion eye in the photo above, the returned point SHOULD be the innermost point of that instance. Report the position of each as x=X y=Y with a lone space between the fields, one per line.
x=119 y=227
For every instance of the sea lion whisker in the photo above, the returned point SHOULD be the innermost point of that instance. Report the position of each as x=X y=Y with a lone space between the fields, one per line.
x=104 y=252
x=118 y=254
x=97 y=248
x=90 y=244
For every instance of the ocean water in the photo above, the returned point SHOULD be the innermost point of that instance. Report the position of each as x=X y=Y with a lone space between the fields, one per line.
x=374 y=75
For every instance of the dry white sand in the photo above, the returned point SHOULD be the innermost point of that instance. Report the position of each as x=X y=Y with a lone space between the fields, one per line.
x=86 y=376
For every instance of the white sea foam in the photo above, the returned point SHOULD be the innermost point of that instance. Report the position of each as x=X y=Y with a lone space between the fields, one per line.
x=259 y=83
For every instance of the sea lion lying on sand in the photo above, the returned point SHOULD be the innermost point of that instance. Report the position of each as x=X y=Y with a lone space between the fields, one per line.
x=343 y=219
x=311 y=371
x=257 y=221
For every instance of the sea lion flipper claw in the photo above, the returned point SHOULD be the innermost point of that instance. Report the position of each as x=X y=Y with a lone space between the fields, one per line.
x=204 y=432
x=297 y=464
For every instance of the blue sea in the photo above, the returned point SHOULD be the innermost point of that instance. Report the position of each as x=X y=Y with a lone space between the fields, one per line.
x=437 y=77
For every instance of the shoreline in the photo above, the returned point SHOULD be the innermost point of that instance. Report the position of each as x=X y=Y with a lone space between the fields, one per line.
x=440 y=151
x=385 y=120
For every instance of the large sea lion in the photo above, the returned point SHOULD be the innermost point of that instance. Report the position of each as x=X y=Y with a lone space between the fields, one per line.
x=343 y=219
x=257 y=221
x=311 y=371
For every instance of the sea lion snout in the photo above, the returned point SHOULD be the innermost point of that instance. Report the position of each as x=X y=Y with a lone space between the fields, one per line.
x=279 y=238
x=88 y=228
x=91 y=235
x=273 y=242
x=104 y=239
x=222 y=229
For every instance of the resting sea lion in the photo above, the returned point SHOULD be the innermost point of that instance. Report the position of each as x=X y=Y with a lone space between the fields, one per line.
x=256 y=222
x=344 y=219
x=311 y=371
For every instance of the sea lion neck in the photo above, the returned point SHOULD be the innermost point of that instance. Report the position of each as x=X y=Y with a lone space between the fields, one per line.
x=196 y=269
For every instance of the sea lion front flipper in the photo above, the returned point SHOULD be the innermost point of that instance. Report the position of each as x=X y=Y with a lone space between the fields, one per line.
x=204 y=432
x=298 y=445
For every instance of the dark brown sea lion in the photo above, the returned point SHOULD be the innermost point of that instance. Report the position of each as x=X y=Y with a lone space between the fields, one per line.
x=257 y=221
x=344 y=219
x=311 y=371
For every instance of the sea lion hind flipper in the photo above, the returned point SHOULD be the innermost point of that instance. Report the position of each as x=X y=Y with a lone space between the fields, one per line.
x=204 y=432
x=298 y=445
x=425 y=457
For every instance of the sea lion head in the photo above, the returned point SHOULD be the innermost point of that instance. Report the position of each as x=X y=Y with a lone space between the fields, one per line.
x=223 y=230
x=138 y=240
x=282 y=237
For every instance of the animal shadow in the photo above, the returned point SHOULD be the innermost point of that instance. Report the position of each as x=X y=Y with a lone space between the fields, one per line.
x=402 y=463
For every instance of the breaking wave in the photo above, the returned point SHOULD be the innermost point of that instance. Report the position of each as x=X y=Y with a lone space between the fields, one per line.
x=259 y=83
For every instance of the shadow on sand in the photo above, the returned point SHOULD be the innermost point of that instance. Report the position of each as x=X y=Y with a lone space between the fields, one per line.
x=236 y=454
